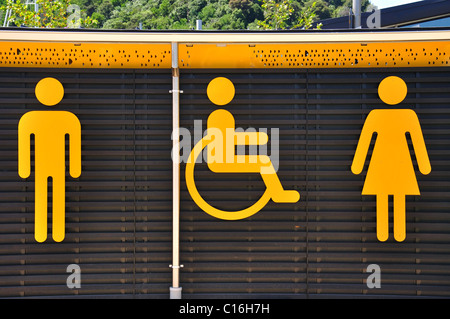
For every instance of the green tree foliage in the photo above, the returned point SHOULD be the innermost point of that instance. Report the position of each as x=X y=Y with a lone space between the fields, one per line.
x=215 y=14
x=50 y=14
x=287 y=14
x=182 y=14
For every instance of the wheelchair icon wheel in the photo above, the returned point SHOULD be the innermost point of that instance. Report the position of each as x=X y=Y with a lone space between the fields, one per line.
x=205 y=206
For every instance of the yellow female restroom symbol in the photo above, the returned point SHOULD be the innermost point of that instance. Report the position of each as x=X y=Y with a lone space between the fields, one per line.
x=221 y=140
x=49 y=129
x=391 y=170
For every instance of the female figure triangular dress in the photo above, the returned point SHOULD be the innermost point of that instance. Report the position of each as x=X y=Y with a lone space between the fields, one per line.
x=391 y=170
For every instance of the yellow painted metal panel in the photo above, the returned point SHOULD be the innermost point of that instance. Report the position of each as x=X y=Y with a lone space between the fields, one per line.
x=219 y=55
x=326 y=55
x=84 y=55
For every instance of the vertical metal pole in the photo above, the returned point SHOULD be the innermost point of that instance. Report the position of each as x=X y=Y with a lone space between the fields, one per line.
x=198 y=24
x=357 y=13
x=7 y=15
x=36 y=9
x=175 y=290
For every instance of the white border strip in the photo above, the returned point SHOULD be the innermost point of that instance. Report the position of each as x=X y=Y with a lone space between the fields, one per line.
x=219 y=37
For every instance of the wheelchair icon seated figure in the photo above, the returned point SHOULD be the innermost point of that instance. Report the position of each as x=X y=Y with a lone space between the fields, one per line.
x=222 y=138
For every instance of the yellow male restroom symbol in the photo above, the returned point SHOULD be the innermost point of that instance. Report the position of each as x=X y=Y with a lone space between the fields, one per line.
x=49 y=129
x=391 y=170
x=221 y=140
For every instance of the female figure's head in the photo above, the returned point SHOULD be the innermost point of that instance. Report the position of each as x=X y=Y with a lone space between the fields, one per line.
x=392 y=90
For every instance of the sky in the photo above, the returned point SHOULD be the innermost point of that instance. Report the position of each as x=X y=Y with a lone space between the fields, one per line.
x=390 y=3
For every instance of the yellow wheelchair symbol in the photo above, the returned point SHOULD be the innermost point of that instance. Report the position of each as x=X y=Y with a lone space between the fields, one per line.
x=221 y=139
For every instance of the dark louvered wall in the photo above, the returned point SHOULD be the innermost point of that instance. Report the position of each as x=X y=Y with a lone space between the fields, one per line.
x=119 y=211
x=322 y=245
